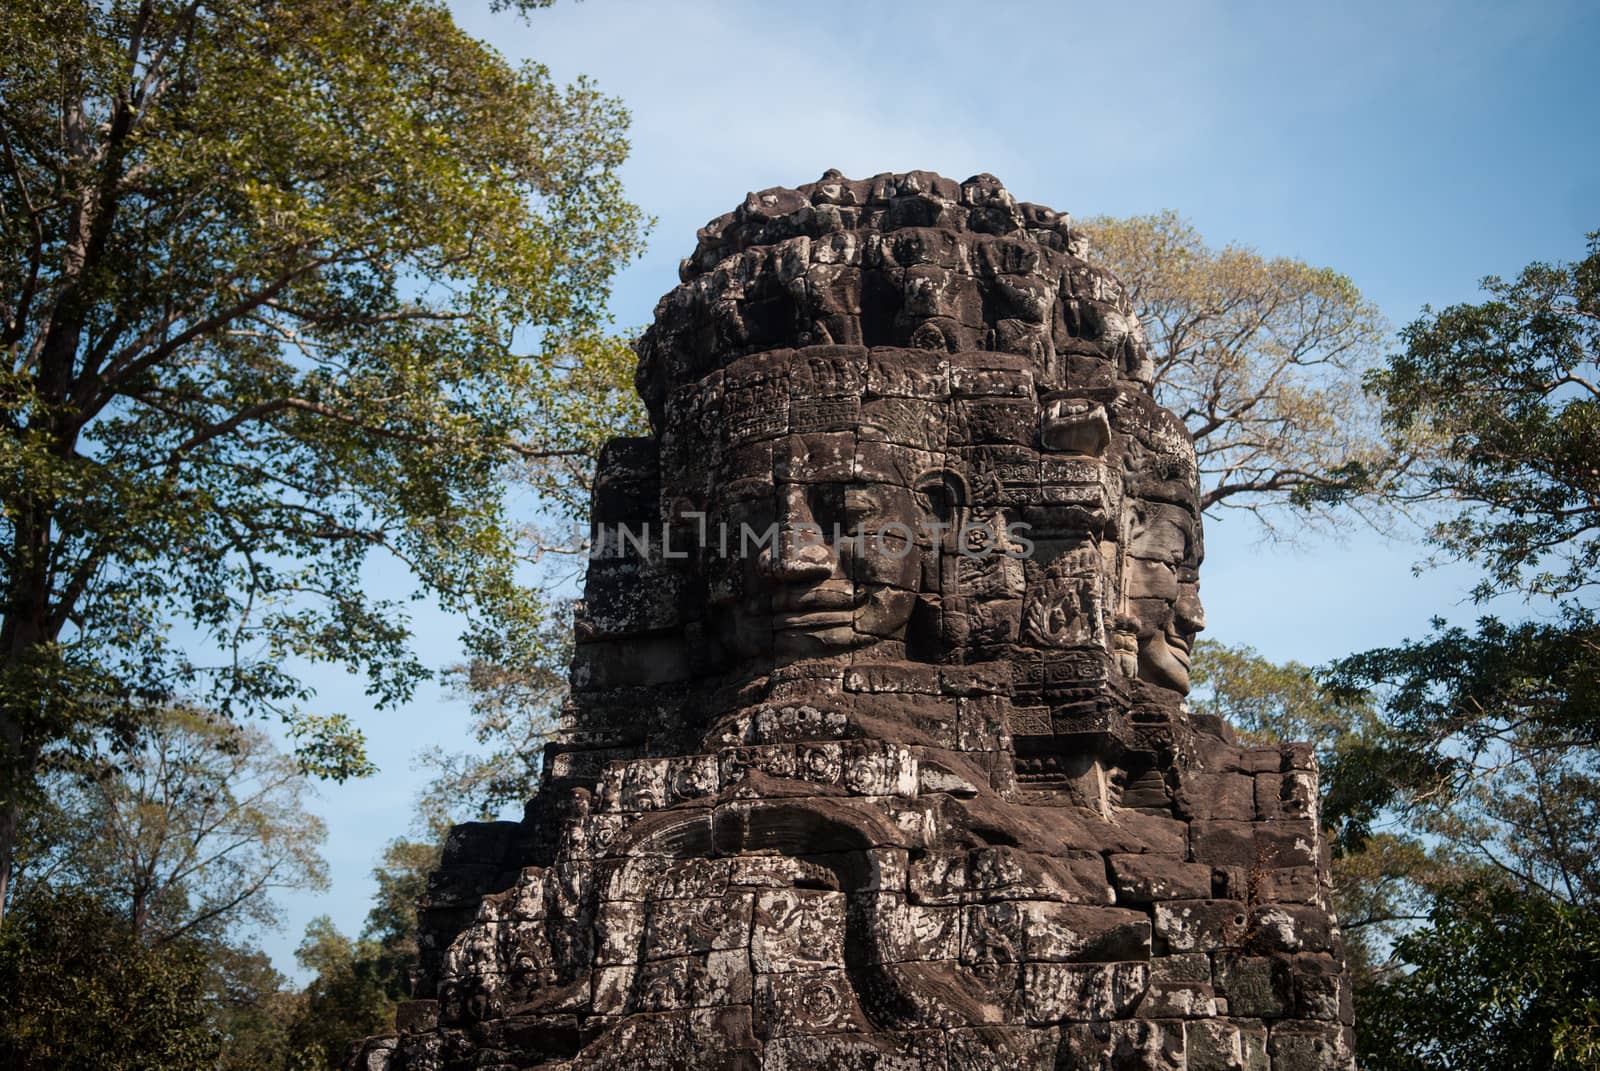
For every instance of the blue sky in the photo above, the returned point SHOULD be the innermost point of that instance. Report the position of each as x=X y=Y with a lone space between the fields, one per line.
x=1413 y=146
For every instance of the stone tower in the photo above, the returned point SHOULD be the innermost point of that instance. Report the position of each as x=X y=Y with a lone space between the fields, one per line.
x=877 y=754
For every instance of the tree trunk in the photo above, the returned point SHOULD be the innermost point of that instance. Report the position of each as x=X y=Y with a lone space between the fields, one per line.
x=10 y=813
x=24 y=631
x=18 y=764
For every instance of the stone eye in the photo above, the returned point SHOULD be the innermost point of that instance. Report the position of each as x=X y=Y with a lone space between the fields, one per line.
x=858 y=504
x=829 y=505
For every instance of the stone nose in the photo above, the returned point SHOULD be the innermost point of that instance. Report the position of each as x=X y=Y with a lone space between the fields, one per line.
x=798 y=555
x=1188 y=614
x=799 y=551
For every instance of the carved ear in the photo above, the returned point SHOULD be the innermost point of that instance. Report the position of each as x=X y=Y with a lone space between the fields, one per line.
x=945 y=490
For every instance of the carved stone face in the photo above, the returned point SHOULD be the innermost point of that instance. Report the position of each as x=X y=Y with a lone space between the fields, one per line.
x=815 y=548
x=822 y=475
x=1164 y=592
x=1144 y=522
x=817 y=568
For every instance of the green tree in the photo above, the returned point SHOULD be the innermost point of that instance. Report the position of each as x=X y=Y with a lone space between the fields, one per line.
x=1505 y=388
x=358 y=982
x=515 y=706
x=1481 y=757
x=178 y=838
x=1496 y=979
x=287 y=289
x=252 y=1006
x=1262 y=358
x=1509 y=391
x=78 y=989
x=188 y=832
x=351 y=997
x=1272 y=702
x=1489 y=737
x=1465 y=704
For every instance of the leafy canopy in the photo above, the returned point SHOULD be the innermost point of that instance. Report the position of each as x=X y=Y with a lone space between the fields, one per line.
x=358 y=983
x=1490 y=742
x=1506 y=389
x=286 y=288
x=1509 y=389
x=78 y=989
x=1498 y=979
x=188 y=833
x=1262 y=358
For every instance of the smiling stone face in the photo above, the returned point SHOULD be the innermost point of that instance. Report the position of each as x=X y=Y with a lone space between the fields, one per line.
x=1164 y=592
x=824 y=568
x=890 y=505
x=1165 y=549
x=816 y=543
x=1119 y=490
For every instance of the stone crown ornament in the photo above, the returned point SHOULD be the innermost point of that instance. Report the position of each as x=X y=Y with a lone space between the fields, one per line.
x=877 y=754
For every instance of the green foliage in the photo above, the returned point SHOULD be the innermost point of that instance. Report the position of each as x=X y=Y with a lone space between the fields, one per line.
x=359 y=982
x=1486 y=755
x=176 y=845
x=1507 y=389
x=269 y=273
x=352 y=996
x=1504 y=389
x=187 y=830
x=1457 y=700
x=1262 y=358
x=251 y=1006
x=402 y=878
x=78 y=989
x=516 y=680
x=588 y=398
x=515 y=704
x=175 y=840
x=1488 y=743
x=1271 y=702
x=1497 y=978
x=1381 y=889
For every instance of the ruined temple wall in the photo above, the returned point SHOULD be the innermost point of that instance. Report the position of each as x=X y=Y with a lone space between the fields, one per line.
x=1196 y=937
